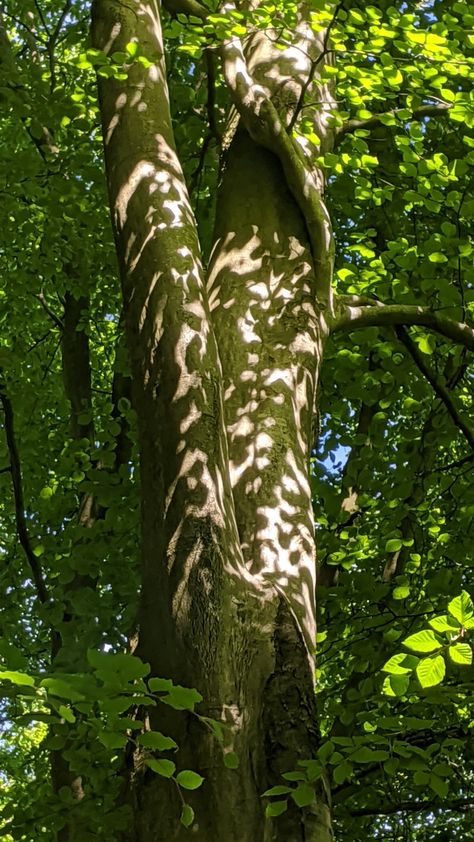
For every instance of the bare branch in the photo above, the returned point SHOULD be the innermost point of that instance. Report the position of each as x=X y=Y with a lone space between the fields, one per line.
x=440 y=389
x=52 y=315
x=376 y=314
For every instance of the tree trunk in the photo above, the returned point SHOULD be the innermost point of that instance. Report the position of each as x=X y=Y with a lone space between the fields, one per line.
x=224 y=387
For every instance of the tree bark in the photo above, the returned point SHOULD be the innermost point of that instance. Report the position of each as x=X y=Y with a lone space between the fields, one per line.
x=224 y=390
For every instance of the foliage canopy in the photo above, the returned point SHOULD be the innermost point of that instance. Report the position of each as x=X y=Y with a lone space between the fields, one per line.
x=392 y=471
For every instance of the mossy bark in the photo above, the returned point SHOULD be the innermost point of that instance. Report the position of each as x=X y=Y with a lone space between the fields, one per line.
x=224 y=383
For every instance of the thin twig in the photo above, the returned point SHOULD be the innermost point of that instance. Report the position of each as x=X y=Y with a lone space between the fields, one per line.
x=314 y=66
x=438 y=387
x=459 y=805
x=52 y=315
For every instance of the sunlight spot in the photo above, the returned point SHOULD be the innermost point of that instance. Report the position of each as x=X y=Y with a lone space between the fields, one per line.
x=136 y=96
x=263 y=440
x=290 y=485
x=112 y=125
x=254 y=486
x=243 y=427
x=246 y=330
x=194 y=414
x=301 y=478
x=187 y=380
x=181 y=596
x=250 y=407
x=114 y=33
x=144 y=169
x=192 y=482
x=260 y=289
x=197 y=309
x=283 y=374
x=175 y=208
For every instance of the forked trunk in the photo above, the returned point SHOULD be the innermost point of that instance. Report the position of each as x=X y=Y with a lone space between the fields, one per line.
x=224 y=384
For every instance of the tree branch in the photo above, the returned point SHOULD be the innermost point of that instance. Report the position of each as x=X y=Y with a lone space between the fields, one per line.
x=376 y=314
x=76 y=363
x=461 y=805
x=15 y=467
x=376 y=120
x=263 y=123
x=186 y=7
x=314 y=66
x=440 y=389
x=52 y=315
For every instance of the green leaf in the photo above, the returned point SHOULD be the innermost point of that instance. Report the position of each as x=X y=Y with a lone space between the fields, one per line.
x=439 y=786
x=160 y=685
x=64 y=688
x=231 y=761
x=128 y=667
x=21 y=679
x=303 y=795
x=155 y=739
x=393 y=545
x=460 y=653
x=401 y=592
x=182 y=698
x=437 y=257
x=343 y=772
x=325 y=751
x=165 y=768
x=431 y=671
x=110 y=739
x=395 y=685
x=426 y=344
x=66 y=713
x=400 y=664
x=422 y=641
x=368 y=755
x=277 y=790
x=189 y=780
x=461 y=608
x=187 y=815
x=275 y=808
x=444 y=624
